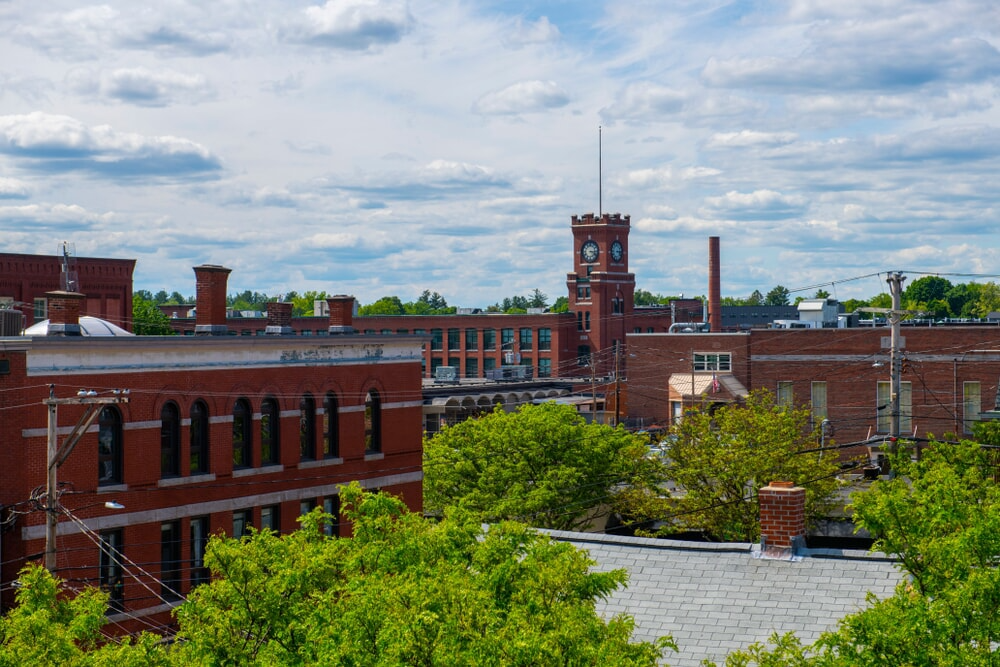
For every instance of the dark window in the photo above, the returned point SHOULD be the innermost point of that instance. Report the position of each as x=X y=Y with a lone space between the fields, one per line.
x=453 y=338
x=269 y=432
x=579 y=321
x=489 y=339
x=471 y=339
x=525 y=336
x=454 y=362
x=436 y=339
x=489 y=364
x=583 y=355
x=112 y=573
x=170 y=440
x=545 y=339
x=199 y=540
x=331 y=505
x=373 y=422
x=242 y=433
x=307 y=428
x=109 y=447
x=170 y=560
x=331 y=426
x=402 y=331
x=270 y=518
x=435 y=364
x=242 y=523
x=507 y=339
x=544 y=367
x=586 y=321
x=471 y=367
x=199 y=437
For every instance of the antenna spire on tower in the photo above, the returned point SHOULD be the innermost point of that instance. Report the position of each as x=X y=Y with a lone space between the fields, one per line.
x=600 y=176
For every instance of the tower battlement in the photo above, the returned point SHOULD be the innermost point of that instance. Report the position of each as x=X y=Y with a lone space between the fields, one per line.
x=605 y=219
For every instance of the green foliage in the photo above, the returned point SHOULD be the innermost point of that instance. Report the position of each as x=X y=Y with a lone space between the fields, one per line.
x=247 y=300
x=387 y=305
x=778 y=296
x=755 y=299
x=987 y=300
x=561 y=305
x=720 y=459
x=148 y=319
x=542 y=464
x=303 y=304
x=926 y=289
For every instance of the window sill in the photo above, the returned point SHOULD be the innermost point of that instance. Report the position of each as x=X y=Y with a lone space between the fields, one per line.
x=181 y=481
x=263 y=470
x=320 y=463
x=374 y=456
x=112 y=488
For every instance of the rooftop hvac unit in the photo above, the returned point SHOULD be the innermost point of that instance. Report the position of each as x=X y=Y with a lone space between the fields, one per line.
x=446 y=374
x=11 y=322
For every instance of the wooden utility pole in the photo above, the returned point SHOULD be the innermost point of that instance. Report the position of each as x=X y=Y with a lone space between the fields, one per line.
x=56 y=454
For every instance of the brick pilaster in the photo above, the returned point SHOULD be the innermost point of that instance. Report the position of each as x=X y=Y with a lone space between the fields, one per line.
x=782 y=515
x=341 y=314
x=210 y=299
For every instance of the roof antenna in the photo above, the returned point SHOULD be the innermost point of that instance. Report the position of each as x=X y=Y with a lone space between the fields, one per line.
x=69 y=279
x=600 y=177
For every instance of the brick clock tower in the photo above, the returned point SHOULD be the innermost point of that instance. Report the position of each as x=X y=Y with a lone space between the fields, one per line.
x=601 y=289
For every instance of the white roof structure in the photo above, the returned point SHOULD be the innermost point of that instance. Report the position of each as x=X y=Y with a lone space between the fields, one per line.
x=89 y=326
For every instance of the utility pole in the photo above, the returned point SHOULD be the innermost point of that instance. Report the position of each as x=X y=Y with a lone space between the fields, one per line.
x=57 y=454
x=895 y=281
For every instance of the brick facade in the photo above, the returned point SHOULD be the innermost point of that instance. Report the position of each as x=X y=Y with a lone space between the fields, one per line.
x=782 y=515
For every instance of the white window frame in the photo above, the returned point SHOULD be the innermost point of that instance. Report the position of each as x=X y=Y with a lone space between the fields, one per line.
x=713 y=361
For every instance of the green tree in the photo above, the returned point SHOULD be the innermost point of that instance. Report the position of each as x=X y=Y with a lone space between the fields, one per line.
x=926 y=289
x=721 y=458
x=561 y=305
x=148 y=319
x=987 y=300
x=822 y=294
x=643 y=297
x=778 y=296
x=755 y=299
x=387 y=305
x=542 y=464
x=538 y=299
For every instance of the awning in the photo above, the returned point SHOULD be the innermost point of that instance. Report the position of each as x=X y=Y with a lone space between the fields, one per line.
x=716 y=386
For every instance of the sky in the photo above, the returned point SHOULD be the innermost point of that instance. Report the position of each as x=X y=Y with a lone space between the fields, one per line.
x=386 y=147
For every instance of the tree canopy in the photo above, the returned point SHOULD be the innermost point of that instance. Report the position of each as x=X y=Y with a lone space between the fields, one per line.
x=542 y=464
x=148 y=319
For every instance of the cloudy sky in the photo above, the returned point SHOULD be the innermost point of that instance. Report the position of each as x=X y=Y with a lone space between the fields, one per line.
x=380 y=147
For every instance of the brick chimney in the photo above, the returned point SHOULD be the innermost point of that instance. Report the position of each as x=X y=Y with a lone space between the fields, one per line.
x=279 y=319
x=714 y=286
x=341 y=314
x=782 y=519
x=210 y=300
x=64 y=313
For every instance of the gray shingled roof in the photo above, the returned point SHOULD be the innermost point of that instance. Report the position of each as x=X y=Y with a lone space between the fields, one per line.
x=714 y=598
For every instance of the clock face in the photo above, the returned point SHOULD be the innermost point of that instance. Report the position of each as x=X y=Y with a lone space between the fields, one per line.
x=617 y=252
x=590 y=251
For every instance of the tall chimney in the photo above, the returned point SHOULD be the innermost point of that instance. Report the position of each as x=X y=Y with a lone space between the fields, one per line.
x=341 y=314
x=714 y=286
x=782 y=519
x=64 y=313
x=279 y=318
x=210 y=300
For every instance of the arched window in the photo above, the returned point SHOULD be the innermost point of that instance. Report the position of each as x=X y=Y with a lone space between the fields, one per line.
x=199 y=438
x=307 y=428
x=373 y=422
x=269 y=432
x=331 y=426
x=242 y=433
x=109 y=446
x=170 y=440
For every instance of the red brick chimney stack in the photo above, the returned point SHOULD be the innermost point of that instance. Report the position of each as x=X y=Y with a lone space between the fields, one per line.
x=714 y=286
x=64 y=313
x=341 y=314
x=210 y=300
x=782 y=518
x=279 y=318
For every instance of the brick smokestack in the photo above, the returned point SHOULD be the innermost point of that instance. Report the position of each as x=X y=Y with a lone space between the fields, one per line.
x=782 y=519
x=210 y=300
x=714 y=286
x=279 y=319
x=64 y=313
x=341 y=314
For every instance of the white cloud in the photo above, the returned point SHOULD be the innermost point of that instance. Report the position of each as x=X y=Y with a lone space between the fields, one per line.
x=142 y=87
x=354 y=25
x=522 y=97
x=646 y=101
x=756 y=205
x=12 y=188
x=523 y=33
x=750 y=138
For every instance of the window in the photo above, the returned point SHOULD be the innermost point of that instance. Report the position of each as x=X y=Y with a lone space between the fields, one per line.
x=270 y=518
x=525 y=339
x=305 y=506
x=545 y=338
x=270 y=428
x=170 y=440
x=386 y=332
x=111 y=571
x=884 y=407
x=109 y=446
x=818 y=398
x=331 y=426
x=199 y=438
x=170 y=560
x=971 y=404
x=471 y=339
x=242 y=430
x=507 y=339
x=41 y=309
x=453 y=338
x=706 y=361
x=242 y=523
x=307 y=428
x=489 y=364
x=489 y=339
x=454 y=362
x=583 y=293
x=586 y=321
x=579 y=321
x=436 y=362
x=331 y=505
x=544 y=367
x=373 y=422
x=436 y=339
x=784 y=396
x=471 y=367
x=199 y=540
x=583 y=355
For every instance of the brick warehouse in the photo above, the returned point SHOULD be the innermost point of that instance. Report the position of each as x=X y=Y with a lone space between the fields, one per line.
x=219 y=433
x=949 y=375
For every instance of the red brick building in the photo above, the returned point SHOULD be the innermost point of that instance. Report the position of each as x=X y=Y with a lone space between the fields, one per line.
x=107 y=284
x=949 y=375
x=219 y=433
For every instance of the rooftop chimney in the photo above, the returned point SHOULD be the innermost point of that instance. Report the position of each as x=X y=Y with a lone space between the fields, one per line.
x=210 y=300
x=782 y=519
x=279 y=318
x=64 y=313
x=341 y=314
x=714 y=286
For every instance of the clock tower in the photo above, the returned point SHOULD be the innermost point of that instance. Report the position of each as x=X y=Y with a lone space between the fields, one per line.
x=601 y=289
